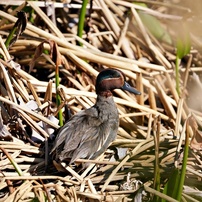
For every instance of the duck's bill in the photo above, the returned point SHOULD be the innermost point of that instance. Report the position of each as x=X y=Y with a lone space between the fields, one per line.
x=127 y=87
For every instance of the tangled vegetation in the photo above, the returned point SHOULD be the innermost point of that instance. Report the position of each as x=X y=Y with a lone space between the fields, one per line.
x=50 y=55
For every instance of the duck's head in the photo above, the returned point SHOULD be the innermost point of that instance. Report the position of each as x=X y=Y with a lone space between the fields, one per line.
x=110 y=79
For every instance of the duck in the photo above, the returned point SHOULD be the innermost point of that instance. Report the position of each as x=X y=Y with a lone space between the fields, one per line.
x=87 y=134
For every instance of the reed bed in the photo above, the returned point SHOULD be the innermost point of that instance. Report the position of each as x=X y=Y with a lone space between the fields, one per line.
x=153 y=126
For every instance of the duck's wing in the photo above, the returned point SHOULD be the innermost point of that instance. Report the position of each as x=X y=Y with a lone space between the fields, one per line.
x=72 y=134
x=95 y=141
x=84 y=135
x=69 y=135
x=110 y=136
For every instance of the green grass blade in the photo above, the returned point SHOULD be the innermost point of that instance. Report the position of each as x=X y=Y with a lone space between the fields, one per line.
x=171 y=187
x=17 y=30
x=10 y=36
x=82 y=20
x=15 y=165
x=154 y=26
x=177 y=74
x=184 y=165
x=156 y=130
x=58 y=98
x=183 y=43
x=183 y=48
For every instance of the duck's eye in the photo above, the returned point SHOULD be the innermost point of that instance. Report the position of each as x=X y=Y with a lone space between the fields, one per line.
x=116 y=75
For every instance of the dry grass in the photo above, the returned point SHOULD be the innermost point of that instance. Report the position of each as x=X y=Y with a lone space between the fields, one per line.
x=116 y=38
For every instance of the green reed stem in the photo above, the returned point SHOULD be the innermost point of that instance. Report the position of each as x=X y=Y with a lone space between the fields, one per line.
x=58 y=98
x=177 y=63
x=82 y=20
x=10 y=36
x=184 y=165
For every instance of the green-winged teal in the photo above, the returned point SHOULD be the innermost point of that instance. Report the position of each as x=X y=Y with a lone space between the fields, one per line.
x=88 y=133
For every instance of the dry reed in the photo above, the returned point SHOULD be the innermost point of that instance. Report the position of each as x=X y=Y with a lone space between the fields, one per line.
x=117 y=38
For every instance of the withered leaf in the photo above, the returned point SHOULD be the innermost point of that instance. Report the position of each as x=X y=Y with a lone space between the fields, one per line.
x=54 y=54
x=19 y=26
x=39 y=50
x=196 y=141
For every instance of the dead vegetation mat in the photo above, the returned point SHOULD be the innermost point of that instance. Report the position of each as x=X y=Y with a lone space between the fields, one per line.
x=152 y=126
